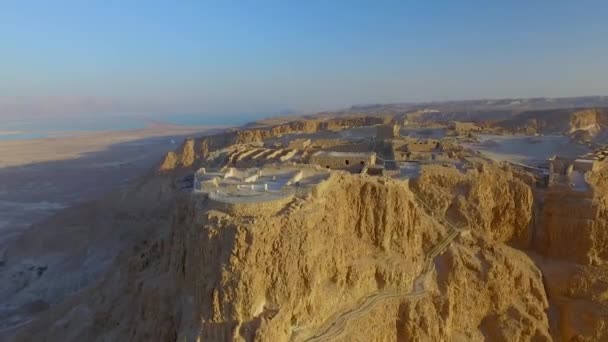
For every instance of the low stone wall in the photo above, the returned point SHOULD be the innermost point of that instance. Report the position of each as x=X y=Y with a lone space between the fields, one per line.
x=250 y=207
x=566 y=166
x=342 y=160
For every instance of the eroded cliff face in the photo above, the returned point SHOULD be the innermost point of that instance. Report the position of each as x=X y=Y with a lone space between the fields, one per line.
x=488 y=294
x=183 y=157
x=284 y=271
x=565 y=233
x=574 y=227
x=574 y=224
x=582 y=124
x=346 y=241
x=573 y=243
x=493 y=202
x=587 y=120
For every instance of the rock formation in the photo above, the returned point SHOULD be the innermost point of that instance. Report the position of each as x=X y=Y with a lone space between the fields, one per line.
x=184 y=157
x=283 y=273
x=491 y=201
x=582 y=124
x=573 y=243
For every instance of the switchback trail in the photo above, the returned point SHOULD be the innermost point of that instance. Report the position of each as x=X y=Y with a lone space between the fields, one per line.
x=337 y=326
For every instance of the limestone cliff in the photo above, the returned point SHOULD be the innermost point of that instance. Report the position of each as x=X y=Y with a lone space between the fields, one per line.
x=573 y=243
x=569 y=231
x=183 y=157
x=489 y=294
x=491 y=201
x=582 y=124
x=588 y=119
x=574 y=224
x=286 y=270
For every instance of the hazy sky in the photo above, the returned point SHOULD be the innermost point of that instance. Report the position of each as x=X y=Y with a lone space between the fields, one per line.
x=91 y=57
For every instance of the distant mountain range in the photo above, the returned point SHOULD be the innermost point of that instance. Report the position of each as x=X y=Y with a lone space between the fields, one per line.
x=506 y=104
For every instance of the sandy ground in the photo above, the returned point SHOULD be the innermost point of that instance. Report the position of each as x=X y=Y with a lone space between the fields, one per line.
x=40 y=176
x=22 y=152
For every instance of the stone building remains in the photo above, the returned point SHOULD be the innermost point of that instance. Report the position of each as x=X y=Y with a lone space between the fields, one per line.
x=462 y=128
x=343 y=160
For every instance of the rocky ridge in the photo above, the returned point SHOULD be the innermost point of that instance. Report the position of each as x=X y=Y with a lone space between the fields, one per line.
x=585 y=124
x=282 y=274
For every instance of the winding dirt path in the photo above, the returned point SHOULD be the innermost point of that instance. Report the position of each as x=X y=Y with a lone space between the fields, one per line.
x=338 y=326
